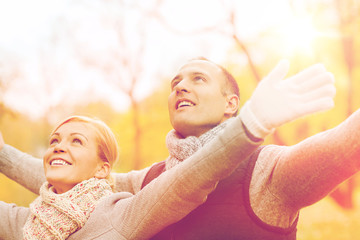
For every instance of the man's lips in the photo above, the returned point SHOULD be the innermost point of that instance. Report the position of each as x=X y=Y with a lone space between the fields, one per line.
x=184 y=103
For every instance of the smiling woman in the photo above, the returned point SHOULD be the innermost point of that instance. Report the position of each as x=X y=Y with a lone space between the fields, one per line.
x=75 y=169
x=74 y=156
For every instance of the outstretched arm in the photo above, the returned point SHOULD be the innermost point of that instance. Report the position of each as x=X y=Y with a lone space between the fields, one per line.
x=130 y=181
x=13 y=219
x=308 y=171
x=274 y=102
x=21 y=167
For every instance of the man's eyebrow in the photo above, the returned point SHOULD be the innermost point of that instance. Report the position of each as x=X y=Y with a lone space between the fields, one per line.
x=192 y=74
x=199 y=73
x=175 y=78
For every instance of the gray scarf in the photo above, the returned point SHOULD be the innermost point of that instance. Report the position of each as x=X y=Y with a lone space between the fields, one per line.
x=181 y=148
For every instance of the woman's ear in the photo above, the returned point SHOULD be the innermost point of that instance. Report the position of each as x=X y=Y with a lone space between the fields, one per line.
x=103 y=171
x=232 y=105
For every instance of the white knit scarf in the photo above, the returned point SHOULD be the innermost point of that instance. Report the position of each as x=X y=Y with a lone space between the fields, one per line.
x=181 y=148
x=56 y=216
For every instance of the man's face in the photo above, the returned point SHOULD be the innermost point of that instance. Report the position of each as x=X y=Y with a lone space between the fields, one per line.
x=196 y=102
x=72 y=156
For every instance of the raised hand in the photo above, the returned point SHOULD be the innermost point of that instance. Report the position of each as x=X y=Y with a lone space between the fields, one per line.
x=276 y=100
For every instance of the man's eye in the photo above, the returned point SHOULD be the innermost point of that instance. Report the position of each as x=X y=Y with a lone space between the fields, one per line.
x=198 y=78
x=174 y=83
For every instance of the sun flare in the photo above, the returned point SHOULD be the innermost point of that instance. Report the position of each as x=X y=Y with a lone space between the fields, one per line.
x=299 y=34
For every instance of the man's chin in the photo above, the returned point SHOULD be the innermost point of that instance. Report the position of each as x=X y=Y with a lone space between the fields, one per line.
x=188 y=129
x=184 y=130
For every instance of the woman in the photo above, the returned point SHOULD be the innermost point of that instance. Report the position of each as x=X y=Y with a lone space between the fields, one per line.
x=76 y=202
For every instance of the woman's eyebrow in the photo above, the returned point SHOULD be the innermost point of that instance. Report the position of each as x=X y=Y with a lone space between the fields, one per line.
x=55 y=133
x=76 y=133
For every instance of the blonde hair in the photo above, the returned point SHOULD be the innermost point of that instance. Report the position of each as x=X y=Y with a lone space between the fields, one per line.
x=108 y=149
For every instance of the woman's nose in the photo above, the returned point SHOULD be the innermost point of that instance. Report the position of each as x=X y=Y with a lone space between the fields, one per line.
x=59 y=147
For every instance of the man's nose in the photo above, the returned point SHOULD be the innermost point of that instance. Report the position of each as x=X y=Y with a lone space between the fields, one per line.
x=182 y=86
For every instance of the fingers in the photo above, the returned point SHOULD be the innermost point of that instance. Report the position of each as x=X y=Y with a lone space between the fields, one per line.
x=308 y=74
x=279 y=71
x=325 y=92
x=319 y=81
x=318 y=105
x=323 y=79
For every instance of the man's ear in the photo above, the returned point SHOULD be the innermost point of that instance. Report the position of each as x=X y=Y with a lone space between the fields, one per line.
x=232 y=105
x=103 y=170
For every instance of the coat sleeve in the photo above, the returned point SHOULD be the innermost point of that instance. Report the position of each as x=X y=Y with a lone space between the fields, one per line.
x=178 y=191
x=306 y=172
x=13 y=219
x=22 y=168
x=129 y=182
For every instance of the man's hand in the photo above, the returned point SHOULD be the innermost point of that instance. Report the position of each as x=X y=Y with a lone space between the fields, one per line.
x=276 y=101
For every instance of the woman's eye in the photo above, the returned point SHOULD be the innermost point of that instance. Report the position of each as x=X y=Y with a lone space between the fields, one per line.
x=78 y=141
x=53 y=141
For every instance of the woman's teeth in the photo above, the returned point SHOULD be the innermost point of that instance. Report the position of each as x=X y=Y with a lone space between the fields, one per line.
x=59 y=162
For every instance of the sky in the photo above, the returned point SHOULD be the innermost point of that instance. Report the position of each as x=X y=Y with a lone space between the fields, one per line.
x=27 y=30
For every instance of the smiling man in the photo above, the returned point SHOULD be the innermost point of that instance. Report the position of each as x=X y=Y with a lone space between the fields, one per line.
x=201 y=98
x=263 y=197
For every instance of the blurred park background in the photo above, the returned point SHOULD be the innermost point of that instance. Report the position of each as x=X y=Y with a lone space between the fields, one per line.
x=114 y=59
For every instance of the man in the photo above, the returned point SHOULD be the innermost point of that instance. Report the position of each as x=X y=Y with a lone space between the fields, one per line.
x=262 y=199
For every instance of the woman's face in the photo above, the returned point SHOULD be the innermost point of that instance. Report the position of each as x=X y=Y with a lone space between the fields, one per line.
x=72 y=156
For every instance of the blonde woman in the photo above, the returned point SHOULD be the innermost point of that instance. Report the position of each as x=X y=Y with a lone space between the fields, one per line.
x=77 y=201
